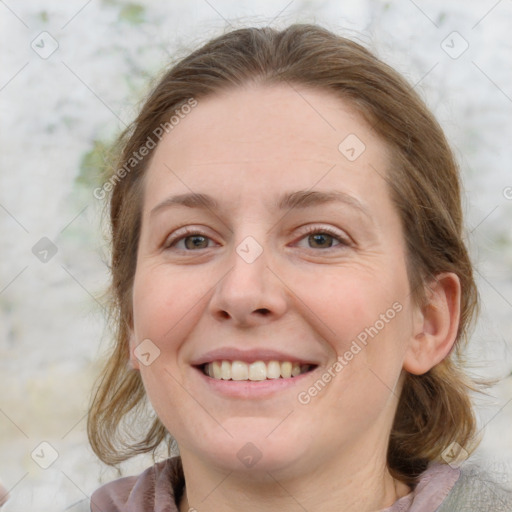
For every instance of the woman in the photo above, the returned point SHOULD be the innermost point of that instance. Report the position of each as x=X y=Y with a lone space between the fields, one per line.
x=292 y=289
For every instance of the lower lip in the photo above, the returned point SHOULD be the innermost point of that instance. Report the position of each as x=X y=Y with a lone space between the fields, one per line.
x=252 y=389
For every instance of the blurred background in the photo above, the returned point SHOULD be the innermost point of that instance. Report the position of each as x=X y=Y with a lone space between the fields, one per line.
x=73 y=75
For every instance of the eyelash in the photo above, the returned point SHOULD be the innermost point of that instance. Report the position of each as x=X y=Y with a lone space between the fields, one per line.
x=343 y=241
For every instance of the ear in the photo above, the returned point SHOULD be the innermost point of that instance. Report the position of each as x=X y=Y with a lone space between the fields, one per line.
x=435 y=326
x=133 y=362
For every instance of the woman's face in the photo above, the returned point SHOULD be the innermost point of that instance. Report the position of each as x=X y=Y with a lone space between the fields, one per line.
x=293 y=261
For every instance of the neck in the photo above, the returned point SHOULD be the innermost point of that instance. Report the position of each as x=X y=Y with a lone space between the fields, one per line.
x=362 y=485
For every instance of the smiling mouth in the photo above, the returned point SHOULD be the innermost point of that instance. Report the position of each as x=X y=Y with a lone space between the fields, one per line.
x=256 y=371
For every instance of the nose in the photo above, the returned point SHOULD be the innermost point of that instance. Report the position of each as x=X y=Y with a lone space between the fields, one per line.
x=249 y=294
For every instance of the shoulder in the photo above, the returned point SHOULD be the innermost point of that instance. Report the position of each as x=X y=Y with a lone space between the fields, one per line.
x=442 y=488
x=478 y=490
x=158 y=488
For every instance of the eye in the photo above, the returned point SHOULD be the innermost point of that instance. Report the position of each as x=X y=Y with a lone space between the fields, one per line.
x=323 y=238
x=188 y=240
x=315 y=237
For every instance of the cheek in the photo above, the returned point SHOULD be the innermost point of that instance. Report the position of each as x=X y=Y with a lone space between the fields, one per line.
x=366 y=320
x=164 y=302
x=176 y=408
x=353 y=301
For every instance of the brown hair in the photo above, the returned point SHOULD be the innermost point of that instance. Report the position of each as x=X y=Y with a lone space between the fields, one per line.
x=434 y=409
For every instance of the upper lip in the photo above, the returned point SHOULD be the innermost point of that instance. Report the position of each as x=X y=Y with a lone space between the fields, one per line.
x=248 y=356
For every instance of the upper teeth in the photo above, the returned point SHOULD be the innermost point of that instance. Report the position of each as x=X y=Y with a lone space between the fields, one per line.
x=259 y=370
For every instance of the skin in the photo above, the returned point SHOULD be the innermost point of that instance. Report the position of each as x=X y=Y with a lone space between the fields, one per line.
x=245 y=148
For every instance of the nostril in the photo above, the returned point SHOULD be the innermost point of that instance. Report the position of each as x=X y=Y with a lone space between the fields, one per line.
x=223 y=314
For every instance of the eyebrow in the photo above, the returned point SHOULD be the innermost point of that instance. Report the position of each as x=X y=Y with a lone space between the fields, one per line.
x=288 y=201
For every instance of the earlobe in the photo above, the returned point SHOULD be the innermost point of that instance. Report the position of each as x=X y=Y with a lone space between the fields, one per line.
x=437 y=325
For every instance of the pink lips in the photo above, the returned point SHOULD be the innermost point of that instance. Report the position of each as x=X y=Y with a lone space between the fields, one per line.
x=251 y=390
x=249 y=356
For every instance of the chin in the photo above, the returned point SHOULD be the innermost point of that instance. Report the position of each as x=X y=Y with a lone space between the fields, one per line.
x=255 y=451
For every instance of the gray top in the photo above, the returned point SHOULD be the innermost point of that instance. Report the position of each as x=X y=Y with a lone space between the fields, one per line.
x=440 y=488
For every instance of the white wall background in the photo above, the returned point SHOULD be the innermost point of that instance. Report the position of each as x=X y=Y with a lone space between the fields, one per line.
x=55 y=112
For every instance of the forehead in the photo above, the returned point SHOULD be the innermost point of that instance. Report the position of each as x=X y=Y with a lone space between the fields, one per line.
x=277 y=136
